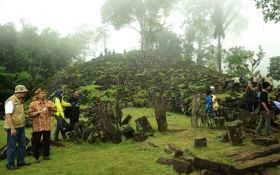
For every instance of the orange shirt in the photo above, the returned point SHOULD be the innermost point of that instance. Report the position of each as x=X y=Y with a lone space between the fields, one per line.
x=41 y=121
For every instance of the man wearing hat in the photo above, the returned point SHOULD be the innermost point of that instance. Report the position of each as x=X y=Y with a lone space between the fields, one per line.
x=14 y=126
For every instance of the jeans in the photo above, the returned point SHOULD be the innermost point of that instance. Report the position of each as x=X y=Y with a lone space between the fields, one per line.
x=59 y=127
x=36 y=143
x=265 y=118
x=11 y=146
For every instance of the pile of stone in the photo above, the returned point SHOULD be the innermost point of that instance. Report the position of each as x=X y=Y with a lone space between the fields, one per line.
x=105 y=123
x=255 y=161
x=182 y=163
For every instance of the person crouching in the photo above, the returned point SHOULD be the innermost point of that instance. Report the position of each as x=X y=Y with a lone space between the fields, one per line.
x=40 y=109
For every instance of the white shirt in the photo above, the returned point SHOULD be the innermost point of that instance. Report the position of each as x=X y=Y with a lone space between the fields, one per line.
x=255 y=79
x=236 y=80
x=9 y=107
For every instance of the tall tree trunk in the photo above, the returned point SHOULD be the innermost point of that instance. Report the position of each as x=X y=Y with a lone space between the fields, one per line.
x=160 y=113
x=142 y=34
x=142 y=41
x=199 y=60
x=219 y=55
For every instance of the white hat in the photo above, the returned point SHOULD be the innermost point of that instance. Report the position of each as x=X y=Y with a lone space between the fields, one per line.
x=20 y=88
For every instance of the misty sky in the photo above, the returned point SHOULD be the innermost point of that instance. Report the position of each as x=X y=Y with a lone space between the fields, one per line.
x=65 y=16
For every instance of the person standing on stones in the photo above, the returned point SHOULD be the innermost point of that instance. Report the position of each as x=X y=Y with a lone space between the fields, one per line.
x=236 y=84
x=269 y=80
x=40 y=109
x=208 y=103
x=265 y=106
x=215 y=102
x=251 y=96
x=14 y=126
x=59 y=115
x=74 y=110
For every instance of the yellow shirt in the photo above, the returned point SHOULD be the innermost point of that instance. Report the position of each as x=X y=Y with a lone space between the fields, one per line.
x=59 y=107
x=215 y=103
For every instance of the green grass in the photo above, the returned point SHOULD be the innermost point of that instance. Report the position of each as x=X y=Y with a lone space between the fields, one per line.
x=128 y=157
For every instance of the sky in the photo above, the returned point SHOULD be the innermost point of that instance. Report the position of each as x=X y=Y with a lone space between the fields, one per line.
x=65 y=16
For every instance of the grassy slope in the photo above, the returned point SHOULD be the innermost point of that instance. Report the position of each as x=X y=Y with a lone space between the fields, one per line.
x=128 y=157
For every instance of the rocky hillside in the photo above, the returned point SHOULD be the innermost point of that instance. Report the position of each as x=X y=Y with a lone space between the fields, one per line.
x=135 y=76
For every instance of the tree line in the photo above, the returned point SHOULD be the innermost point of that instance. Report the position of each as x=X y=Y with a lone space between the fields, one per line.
x=30 y=56
x=204 y=22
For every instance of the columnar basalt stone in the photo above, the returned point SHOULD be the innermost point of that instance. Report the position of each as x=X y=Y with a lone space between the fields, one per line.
x=160 y=112
x=153 y=144
x=167 y=151
x=219 y=122
x=104 y=122
x=200 y=142
x=164 y=161
x=265 y=141
x=144 y=126
x=139 y=136
x=3 y=152
x=182 y=167
x=208 y=172
x=224 y=137
x=128 y=132
x=126 y=120
x=195 y=111
x=256 y=153
x=235 y=132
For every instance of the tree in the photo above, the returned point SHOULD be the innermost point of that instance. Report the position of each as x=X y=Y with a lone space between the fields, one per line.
x=225 y=12
x=274 y=67
x=198 y=29
x=243 y=62
x=7 y=83
x=168 y=44
x=205 y=19
x=255 y=62
x=270 y=9
x=236 y=58
x=148 y=15
x=209 y=57
x=30 y=57
x=93 y=38
x=8 y=46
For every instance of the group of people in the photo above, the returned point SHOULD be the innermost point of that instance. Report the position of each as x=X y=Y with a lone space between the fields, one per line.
x=257 y=100
x=211 y=103
x=41 y=110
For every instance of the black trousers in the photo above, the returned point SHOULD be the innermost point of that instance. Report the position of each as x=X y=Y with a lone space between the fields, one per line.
x=74 y=120
x=36 y=143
